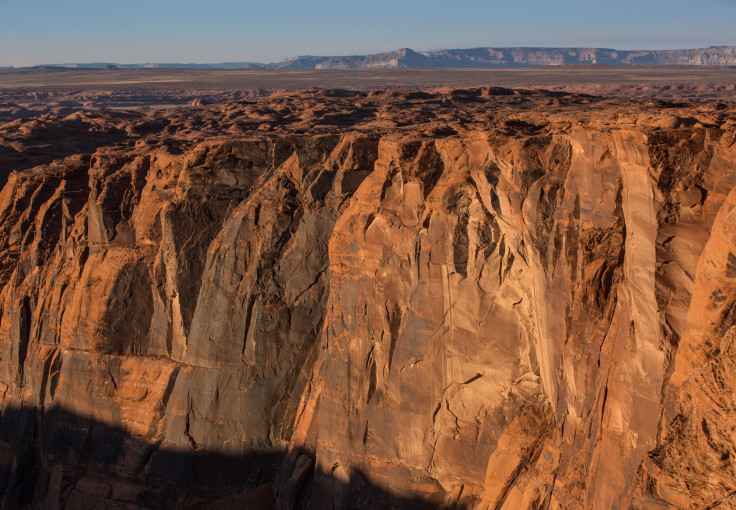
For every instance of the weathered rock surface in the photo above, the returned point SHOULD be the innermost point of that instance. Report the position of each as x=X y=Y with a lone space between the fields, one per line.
x=475 y=299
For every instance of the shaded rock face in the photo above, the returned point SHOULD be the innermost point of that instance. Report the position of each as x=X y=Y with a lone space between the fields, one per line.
x=532 y=312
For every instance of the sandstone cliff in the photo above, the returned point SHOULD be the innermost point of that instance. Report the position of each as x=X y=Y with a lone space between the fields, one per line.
x=464 y=299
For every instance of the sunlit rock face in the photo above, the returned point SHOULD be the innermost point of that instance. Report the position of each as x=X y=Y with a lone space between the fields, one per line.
x=473 y=299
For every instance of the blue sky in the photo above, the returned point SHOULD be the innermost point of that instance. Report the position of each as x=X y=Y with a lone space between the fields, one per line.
x=131 y=31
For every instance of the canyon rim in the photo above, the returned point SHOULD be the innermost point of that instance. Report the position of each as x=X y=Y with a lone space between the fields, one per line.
x=473 y=298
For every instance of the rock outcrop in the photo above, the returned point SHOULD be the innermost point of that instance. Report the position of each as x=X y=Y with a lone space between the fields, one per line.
x=465 y=299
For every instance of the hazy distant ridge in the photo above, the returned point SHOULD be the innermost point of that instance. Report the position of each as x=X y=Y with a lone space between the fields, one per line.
x=721 y=56
x=517 y=57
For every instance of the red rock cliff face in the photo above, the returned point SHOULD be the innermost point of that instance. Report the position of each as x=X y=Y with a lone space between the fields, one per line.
x=472 y=299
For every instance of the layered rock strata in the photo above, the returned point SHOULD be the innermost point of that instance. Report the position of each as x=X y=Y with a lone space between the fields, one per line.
x=473 y=299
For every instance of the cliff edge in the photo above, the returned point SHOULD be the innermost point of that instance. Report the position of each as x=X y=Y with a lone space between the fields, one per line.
x=462 y=299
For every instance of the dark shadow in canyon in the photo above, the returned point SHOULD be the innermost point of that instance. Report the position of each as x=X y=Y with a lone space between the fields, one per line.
x=55 y=140
x=59 y=459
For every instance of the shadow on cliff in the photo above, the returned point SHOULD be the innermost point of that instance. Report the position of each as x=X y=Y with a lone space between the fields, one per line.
x=59 y=459
x=56 y=140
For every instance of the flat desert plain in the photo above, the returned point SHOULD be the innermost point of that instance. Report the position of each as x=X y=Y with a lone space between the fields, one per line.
x=27 y=92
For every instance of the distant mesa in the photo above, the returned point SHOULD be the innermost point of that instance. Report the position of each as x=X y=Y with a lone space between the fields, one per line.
x=149 y=65
x=719 y=56
x=517 y=57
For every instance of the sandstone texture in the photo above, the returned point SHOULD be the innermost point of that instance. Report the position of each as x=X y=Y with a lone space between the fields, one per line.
x=478 y=298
